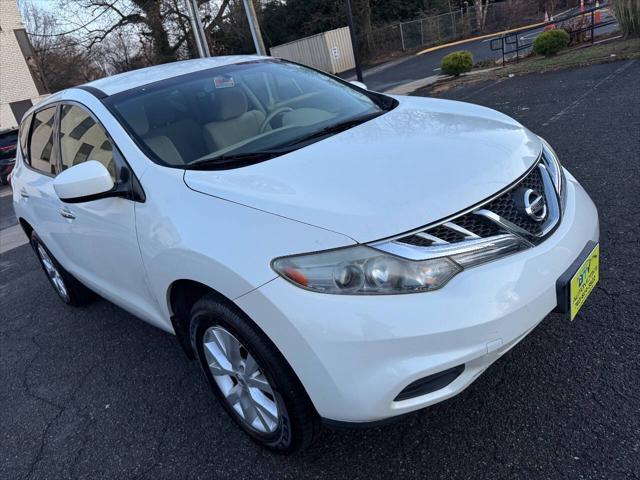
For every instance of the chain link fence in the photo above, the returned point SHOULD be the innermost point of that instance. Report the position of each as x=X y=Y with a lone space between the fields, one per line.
x=424 y=32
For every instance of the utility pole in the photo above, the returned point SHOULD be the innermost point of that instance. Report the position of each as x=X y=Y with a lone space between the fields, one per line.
x=254 y=26
x=197 y=28
x=354 y=42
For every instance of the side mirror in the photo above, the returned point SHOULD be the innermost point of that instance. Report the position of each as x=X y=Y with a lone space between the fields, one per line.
x=83 y=182
x=359 y=84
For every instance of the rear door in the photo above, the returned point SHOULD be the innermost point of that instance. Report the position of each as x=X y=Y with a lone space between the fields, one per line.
x=98 y=237
x=35 y=198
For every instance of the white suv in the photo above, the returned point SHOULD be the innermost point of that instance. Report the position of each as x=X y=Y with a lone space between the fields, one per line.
x=325 y=252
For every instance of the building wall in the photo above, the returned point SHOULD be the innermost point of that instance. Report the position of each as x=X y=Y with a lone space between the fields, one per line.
x=16 y=81
x=329 y=51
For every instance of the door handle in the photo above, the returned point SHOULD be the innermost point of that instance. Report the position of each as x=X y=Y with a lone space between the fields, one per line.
x=66 y=213
x=23 y=193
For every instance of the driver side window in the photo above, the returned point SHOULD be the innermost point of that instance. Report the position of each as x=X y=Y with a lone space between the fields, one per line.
x=82 y=139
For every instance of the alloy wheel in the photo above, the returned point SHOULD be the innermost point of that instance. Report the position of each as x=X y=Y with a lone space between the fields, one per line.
x=240 y=379
x=53 y=273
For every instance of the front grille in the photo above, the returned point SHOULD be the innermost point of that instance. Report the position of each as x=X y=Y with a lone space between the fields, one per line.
x=446 y=234
x=503 y=214
x=481 y=226
x=416 y=241
x=507 y=205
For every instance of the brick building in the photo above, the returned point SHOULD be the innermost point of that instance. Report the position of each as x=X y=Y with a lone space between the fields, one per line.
x=20 y=86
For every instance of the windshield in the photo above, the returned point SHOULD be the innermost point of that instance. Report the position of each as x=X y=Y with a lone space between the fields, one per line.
x=240 y=114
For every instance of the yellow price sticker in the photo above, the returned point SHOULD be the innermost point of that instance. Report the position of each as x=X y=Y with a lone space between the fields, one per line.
x=584 y=281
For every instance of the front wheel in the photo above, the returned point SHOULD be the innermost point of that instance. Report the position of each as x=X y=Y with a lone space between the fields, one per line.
x=251 y=378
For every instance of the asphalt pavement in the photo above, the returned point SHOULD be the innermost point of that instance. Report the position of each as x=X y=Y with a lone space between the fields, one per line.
x=95 y=393
x=408 y=69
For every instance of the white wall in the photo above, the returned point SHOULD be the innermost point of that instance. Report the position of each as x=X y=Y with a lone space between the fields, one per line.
x=16 y=82
x=328 y=51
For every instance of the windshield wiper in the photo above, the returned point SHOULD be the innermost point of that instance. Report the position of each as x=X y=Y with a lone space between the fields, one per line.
x=241 y=159
x=336 y=128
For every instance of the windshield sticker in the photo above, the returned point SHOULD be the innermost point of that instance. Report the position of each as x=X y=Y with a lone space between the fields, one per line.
x=224 y=81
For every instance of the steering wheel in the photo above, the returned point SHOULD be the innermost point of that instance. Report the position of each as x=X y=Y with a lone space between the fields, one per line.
x=272 y=115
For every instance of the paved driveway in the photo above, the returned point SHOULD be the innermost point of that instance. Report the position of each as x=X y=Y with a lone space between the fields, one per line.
x=94 y=393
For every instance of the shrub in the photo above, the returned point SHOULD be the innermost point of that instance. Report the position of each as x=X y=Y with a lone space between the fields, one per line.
x=627 y=12
x=551 y=42
x=457 y=62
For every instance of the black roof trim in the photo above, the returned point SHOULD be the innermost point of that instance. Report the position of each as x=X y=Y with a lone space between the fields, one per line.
x=96 y=92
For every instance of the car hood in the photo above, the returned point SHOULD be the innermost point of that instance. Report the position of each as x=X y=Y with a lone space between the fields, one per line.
x=422 y=161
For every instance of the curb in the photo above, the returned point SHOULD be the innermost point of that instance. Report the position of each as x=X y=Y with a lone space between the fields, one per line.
x=481 y=37
x=410 y=87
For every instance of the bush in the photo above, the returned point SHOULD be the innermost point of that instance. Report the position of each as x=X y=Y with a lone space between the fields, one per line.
x=627 y=12
x=457 y=62
x=551 y=42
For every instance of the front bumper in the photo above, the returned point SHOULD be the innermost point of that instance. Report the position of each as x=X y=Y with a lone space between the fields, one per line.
x=354 y=354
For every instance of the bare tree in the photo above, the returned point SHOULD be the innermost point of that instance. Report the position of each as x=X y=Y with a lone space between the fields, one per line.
x=60 y=59
x=162 y=24
x=120 y=52
x=481 y=8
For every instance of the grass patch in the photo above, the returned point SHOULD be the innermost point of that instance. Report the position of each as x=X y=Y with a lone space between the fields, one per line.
x=609 y=51
x=578 y=57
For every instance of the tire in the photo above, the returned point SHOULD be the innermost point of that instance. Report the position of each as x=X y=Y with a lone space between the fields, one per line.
x=297 y=424
x=69 y=290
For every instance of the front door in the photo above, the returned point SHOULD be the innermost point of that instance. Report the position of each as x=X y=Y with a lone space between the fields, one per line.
x=99 y=237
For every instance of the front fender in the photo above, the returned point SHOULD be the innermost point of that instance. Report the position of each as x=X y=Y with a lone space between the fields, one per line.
x=189 y=235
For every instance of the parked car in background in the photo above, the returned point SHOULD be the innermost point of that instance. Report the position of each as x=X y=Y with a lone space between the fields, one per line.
x=8 y=147
x=326 y=253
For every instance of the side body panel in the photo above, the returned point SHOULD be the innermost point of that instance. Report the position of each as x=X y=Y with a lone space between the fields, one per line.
x=185 y=234
x=179 y=234
x=100 y=248
x=35 y=201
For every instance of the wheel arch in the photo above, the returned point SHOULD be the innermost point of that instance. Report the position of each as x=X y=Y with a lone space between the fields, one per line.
x=184 y=293
x=26 y=227
x=181 y=295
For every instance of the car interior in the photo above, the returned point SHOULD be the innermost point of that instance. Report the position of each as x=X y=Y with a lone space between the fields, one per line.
x=189 y=121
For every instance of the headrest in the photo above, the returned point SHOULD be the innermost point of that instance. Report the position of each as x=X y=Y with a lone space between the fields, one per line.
x=133 y=112
x=160 y=112
x=229 y=103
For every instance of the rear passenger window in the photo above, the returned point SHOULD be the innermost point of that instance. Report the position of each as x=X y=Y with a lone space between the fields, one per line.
x=24 y=135
x=41 y=146
x=82 y=139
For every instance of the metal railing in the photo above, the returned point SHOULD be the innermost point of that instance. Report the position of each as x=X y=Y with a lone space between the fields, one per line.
x=428 y=31
x=512 y=44
x=458 y=24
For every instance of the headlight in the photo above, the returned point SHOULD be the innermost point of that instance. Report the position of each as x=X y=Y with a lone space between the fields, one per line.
x=363 y=270
x=551 y=161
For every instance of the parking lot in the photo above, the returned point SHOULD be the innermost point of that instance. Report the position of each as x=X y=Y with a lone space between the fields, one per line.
x=95 y=393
